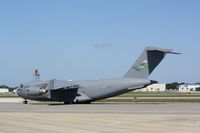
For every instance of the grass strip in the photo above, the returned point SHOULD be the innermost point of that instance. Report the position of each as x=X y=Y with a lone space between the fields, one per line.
x=153 y=100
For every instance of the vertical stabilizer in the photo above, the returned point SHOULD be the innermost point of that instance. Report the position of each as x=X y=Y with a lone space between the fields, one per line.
x=147 y=62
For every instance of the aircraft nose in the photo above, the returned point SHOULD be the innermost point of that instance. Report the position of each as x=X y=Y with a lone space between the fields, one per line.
x=18 y=91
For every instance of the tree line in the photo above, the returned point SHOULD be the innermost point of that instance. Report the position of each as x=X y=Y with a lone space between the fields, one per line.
x=175 y=86
x=7 y=87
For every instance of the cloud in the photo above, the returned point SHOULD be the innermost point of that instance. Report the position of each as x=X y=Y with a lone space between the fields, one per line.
x=103 y=46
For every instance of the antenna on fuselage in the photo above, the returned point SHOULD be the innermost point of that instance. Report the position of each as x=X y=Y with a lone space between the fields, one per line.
x=36 y=75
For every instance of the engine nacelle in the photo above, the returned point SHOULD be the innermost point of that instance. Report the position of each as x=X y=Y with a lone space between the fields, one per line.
x=36 y=91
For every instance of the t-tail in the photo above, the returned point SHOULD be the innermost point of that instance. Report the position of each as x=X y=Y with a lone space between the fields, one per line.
x=147 y=62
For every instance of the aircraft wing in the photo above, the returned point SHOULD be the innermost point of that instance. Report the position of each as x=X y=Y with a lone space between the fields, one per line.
x=62 y=85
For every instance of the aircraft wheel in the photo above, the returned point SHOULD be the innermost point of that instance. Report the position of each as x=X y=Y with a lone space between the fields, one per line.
x=76 y=102
x=66 y=103
x=25 y=102
x=87 y=102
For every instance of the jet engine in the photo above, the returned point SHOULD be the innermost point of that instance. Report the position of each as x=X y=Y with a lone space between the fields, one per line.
x=36 y=91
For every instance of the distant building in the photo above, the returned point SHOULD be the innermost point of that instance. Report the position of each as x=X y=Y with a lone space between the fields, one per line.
x=4 y=90
x=153 y=88
x=188 y=87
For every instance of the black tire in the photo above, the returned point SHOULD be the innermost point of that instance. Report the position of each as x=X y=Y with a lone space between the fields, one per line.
x=66 y=103
x=25 y=102
x=87 y=102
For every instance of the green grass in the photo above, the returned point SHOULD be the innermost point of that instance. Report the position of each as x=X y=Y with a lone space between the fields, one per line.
x=153 y=100
x=8 y=95
x=134 y=96
x=159 y=94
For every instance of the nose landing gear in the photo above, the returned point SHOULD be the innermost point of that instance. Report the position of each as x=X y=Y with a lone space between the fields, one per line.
x=25 y=102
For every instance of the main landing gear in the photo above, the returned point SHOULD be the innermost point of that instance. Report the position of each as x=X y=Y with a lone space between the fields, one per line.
x=70 y=102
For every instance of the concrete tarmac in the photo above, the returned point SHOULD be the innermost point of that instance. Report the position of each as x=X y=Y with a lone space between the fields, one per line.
x=100 y=118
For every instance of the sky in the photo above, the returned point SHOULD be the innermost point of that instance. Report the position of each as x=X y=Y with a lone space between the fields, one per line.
x=96 y=39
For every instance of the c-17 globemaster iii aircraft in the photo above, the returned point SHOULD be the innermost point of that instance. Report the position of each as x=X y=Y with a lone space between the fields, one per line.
x=87 y=91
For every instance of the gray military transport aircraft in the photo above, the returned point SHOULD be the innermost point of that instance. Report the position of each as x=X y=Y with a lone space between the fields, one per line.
x=71 y=92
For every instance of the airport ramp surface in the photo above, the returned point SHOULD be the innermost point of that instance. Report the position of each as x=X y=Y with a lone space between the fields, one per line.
x=100 y=118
